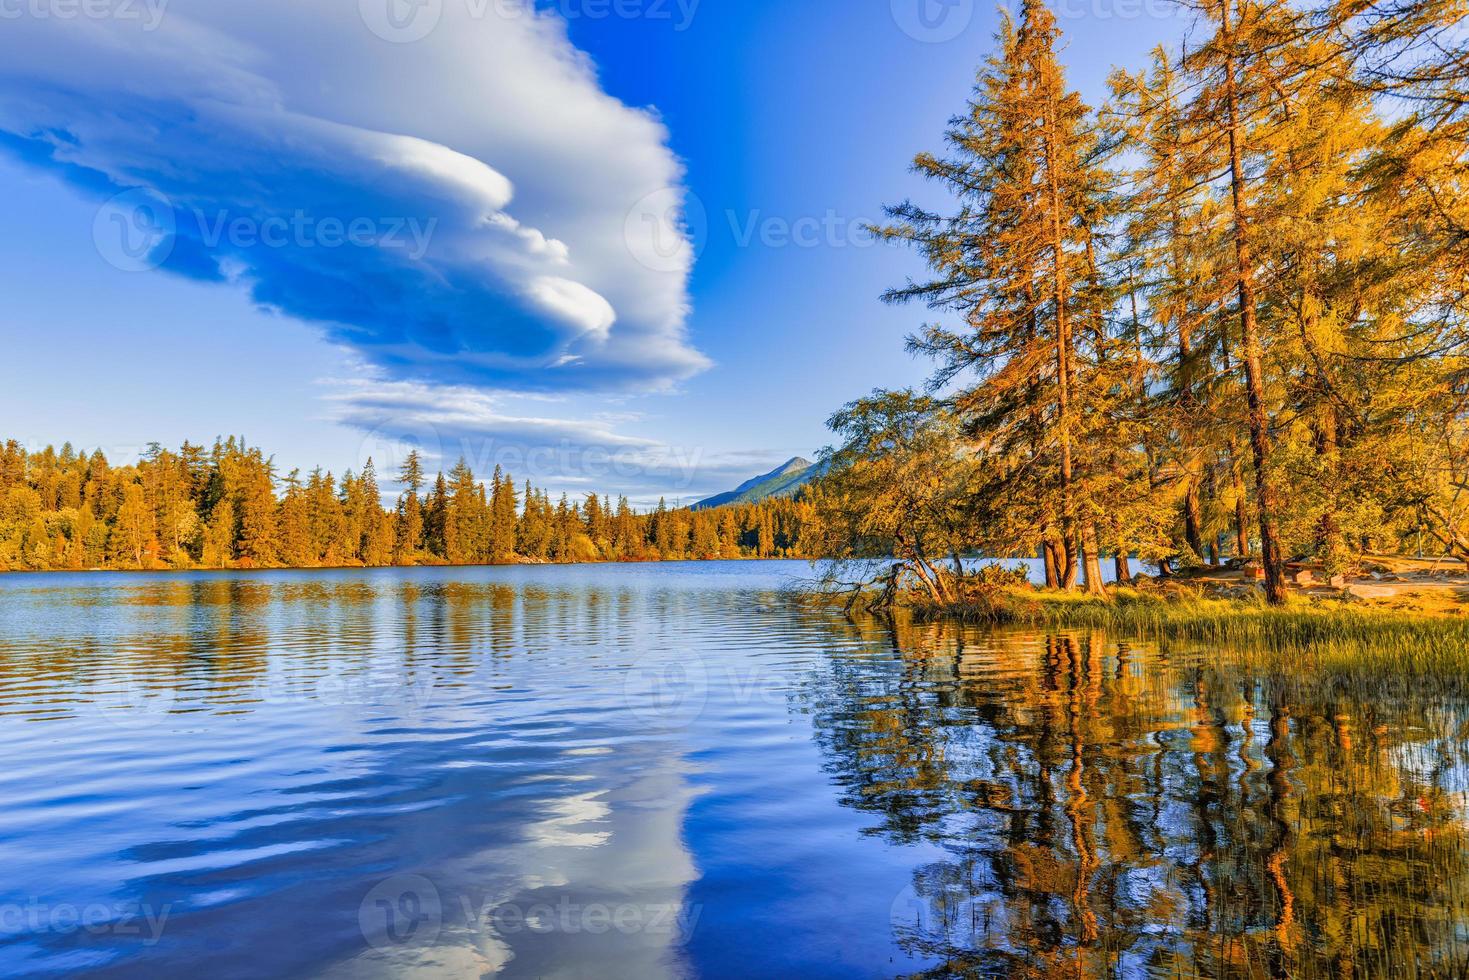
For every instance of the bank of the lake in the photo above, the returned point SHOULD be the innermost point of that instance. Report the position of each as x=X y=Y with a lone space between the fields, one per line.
x=1405 y=640
x=1402 y=615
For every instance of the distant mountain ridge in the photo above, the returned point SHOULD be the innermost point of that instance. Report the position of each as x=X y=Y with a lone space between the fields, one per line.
x=786 y=480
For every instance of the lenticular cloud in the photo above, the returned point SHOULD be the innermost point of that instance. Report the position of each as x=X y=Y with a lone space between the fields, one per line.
x=386 y=193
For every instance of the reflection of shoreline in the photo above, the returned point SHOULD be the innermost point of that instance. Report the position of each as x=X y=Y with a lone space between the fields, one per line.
x=154 y=646
x=446 y=566
x=1116 y=807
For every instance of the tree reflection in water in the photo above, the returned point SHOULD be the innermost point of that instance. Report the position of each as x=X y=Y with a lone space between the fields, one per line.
x=1116 y=809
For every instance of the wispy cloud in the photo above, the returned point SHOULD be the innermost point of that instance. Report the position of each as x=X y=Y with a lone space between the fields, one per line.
x=575 y=454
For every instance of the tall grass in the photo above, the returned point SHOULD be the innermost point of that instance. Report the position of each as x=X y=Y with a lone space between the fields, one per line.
x=1325 y=635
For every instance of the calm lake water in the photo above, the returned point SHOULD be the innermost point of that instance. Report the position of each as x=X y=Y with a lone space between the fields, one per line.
x=640 y=771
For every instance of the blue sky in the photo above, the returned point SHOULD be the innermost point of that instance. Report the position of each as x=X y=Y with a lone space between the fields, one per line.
x=341 y=233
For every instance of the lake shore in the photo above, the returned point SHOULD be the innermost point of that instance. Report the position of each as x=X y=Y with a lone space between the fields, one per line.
x=1408 y=620
x=1406 y=613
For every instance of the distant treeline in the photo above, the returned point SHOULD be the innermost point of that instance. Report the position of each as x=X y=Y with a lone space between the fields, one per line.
x=225 y=507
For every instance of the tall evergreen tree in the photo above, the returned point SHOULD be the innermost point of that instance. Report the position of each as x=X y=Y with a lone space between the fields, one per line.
x=1016 y=264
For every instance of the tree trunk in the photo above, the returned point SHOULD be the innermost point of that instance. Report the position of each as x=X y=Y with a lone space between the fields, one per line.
x=1251 y=355
x=1210 y=491
x=1067 y=552
x=1091 y=562
x=1192 y=535
x=1241 y=515
x=1453 y=543
x=1052 y=564
x=1059 y=288
x=1122 y=567
x=930 y=580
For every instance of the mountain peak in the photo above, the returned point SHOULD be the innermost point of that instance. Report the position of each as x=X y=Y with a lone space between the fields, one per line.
x=796 y=464
x=783 y=481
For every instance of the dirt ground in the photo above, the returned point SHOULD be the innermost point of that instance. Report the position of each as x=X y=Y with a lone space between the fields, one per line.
x=1438 y=585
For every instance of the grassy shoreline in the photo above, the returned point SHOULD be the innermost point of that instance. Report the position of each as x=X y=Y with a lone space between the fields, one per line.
x=1332 y=633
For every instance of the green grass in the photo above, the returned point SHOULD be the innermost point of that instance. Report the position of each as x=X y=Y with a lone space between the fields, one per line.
x=1328 y=635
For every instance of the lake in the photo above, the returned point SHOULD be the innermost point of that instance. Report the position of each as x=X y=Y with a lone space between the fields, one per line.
x=673 y=770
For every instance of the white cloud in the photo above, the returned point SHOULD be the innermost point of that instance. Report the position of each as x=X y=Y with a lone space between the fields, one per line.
x=575 y=304
x=508 y=174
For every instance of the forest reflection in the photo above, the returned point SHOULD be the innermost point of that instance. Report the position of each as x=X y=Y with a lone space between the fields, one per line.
x=232 y=646
x=1112 y=809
